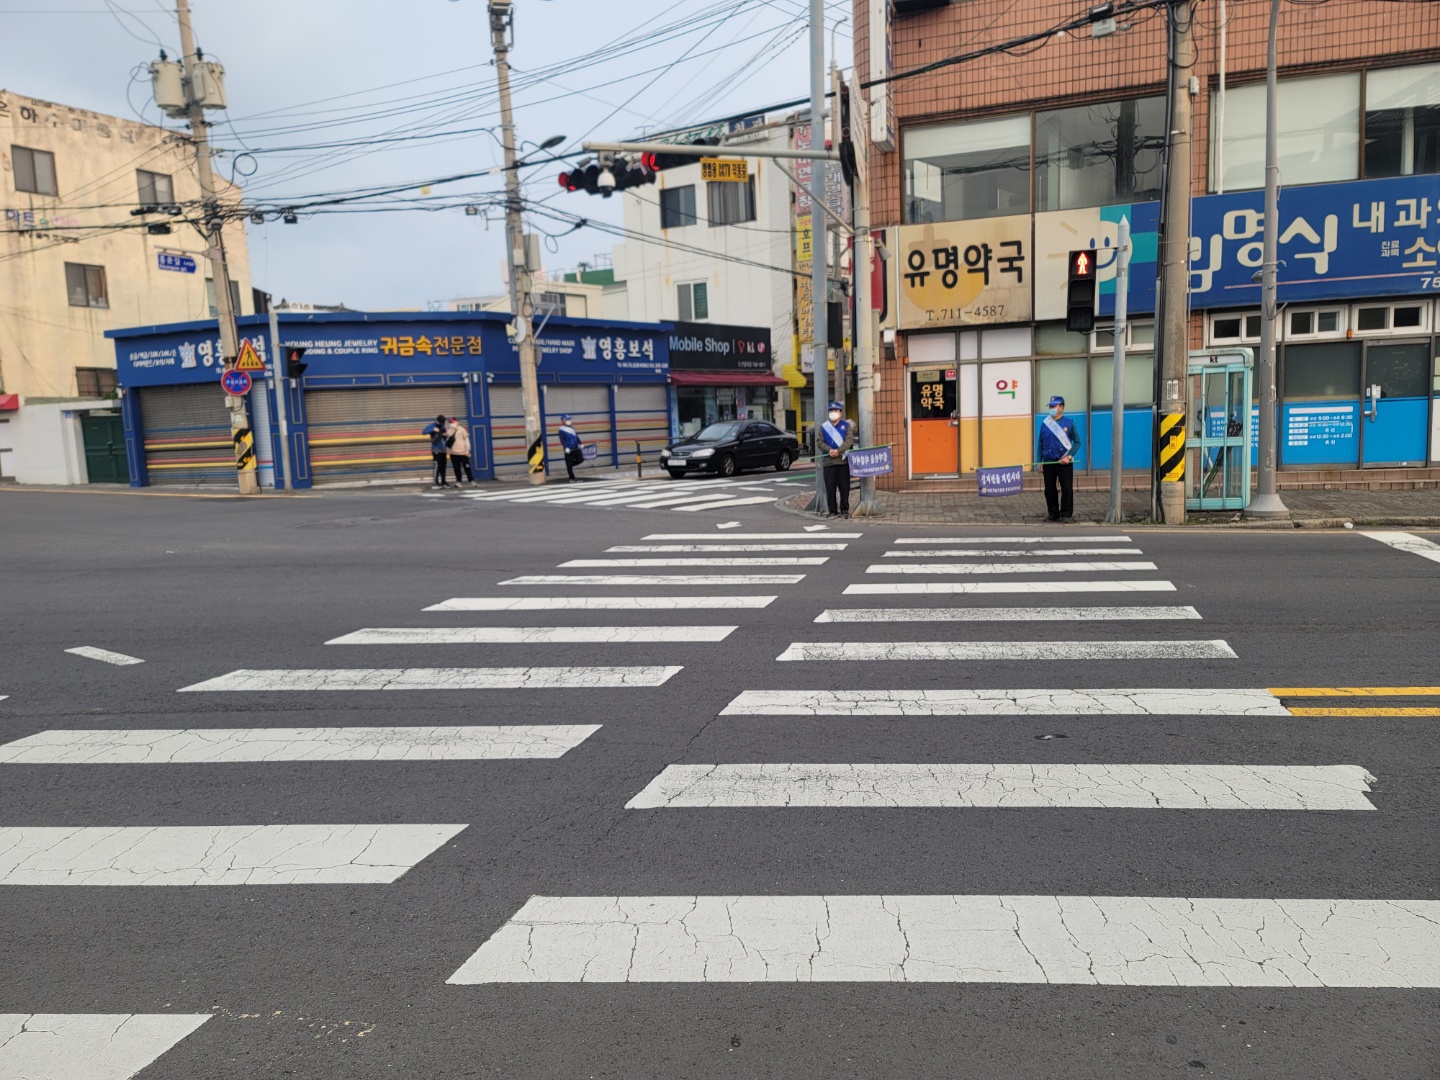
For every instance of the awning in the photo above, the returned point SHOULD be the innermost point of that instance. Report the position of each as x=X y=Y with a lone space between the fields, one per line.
x=725 y=378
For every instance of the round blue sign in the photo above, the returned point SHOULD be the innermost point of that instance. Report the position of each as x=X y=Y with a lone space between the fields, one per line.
x=236 y=383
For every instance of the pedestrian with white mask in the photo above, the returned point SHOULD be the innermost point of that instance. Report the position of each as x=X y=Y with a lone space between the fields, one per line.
x=837 y=436
x=1058 y=443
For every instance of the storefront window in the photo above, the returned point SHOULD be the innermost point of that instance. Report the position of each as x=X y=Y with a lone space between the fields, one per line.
x=1402 y=121
x=1052 y=339
x=1066 y=378
x=1098 y=155
x=1322 y=371
x=956 y=172
x=1139 y=380
x=1319 y=122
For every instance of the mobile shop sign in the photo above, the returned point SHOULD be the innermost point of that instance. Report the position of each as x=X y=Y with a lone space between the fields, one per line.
x=1337 y=241
x=1007 y=480
x=871 y=461
x=716 y=347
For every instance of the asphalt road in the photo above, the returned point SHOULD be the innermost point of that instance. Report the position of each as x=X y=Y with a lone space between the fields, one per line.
x=330 y=979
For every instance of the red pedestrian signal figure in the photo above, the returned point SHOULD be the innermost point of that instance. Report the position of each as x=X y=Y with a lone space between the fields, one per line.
x=1080 y=293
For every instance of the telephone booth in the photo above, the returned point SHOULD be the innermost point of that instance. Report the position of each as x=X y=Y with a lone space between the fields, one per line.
x=1221 y=435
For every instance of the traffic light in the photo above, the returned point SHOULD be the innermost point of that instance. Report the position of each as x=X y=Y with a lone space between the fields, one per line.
x=620 y=174
x=661 y=162
x=293 y=367
x=1080 y=293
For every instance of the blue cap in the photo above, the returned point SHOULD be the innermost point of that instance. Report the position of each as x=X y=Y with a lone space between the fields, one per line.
x=837 y=405
x=565 y=418
x=1056 y=400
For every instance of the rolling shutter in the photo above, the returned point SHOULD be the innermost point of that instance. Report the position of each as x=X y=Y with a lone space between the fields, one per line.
x=187 y=435
x=507 y=430
x=642 y=412
x=374 y=433
x=589 y=409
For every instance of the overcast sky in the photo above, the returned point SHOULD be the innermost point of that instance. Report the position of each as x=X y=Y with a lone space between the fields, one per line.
x=304 y=73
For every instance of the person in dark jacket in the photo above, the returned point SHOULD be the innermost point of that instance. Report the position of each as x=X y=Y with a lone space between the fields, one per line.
x=837 y=436
x=439 y=449
x=1058 y=443
x=570 y=444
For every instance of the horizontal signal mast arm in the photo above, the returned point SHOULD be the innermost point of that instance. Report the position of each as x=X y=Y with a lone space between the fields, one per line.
x=706 y=151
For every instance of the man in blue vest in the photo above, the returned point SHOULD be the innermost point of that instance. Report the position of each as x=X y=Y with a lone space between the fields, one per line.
x=837 y=436
x=570 y=444
x=1058 y=442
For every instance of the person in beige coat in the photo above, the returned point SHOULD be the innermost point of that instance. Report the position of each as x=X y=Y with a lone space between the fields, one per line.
x=458 y=439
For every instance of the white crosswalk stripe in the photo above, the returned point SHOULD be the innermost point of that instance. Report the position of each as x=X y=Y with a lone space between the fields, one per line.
x=1008 y=650
x=1407 y=542
x=1041 y=703
x=530 y=635
x=1006 y=568
x=728 y=537
x=495 y=678
x=967 y=553
x=1046 y=587
x=655 y=579
x=688 y=496
x=1053 y=940
x=720 y=549
x=759 y=560
x=972 y=540
x=88 y=1046
x=1005 y=614
x=598 y=603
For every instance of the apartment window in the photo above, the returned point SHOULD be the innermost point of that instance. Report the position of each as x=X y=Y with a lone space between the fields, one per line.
x=1096 y=155
x=1401 y=317
x=549 y=303
x=234 y=297
x=677 y=207
x=981 y=169
x=730 y=203
x=1229 y=328
x=86 y=286
x=1301 y=324
x=693 y=301
x=95 y=382
x=1402 y=121
x=34 y=170
x=156 y=188
x=1319 y=132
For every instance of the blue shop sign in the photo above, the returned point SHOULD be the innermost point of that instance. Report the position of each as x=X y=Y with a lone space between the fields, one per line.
x=181 y=264
x=589 y=352
x=1337 y=241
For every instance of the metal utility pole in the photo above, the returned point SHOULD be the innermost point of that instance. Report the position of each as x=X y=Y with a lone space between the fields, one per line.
x=521 y=299
x=225 y=312
x=1175 y=266
x=1267 y=503
x=863 y=331
x=282 y=406
x=1117 y=383
x=819 y=276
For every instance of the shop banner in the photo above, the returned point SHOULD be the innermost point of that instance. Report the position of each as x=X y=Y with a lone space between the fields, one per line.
x=871 y=461
x=1009 y=480
x=965 y=273
x=717 y=347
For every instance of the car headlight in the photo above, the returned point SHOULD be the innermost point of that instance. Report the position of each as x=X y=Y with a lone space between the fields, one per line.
x=702 y=453
x=665 y=452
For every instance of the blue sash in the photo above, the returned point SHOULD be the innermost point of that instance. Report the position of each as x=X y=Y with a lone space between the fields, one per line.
x=1055 y=429
x=832 y=435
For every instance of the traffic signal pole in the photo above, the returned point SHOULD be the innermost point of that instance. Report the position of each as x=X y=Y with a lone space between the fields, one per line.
x=240 y=435
x=521 y=300
x=819 y=275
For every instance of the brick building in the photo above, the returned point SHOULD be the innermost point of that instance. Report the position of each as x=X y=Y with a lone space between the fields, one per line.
x=1002 y=164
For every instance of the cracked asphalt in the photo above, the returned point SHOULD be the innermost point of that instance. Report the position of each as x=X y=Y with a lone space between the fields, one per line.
x=349 y=980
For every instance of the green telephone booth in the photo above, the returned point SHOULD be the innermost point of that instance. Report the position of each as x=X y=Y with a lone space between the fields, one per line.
x=1221 y=436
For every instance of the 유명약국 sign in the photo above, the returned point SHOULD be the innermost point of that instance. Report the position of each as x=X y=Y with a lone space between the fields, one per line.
x=961 y=273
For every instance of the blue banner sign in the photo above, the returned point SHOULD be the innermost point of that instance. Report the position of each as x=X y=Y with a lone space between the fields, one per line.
x=1007 y=480
x=872 y=461
x=181 y=264
x=1337 y=241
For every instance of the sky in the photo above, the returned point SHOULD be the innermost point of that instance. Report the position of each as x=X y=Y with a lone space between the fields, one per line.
x=305 y=75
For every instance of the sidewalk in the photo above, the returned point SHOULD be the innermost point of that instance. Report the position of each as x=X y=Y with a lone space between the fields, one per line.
x=1318 y=509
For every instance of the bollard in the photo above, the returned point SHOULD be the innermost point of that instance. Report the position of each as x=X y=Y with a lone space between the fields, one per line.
x=639 y=462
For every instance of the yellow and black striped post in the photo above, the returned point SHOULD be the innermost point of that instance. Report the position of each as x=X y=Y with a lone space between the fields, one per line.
x=536 y=454
x=1170 y=448
x=244 y=449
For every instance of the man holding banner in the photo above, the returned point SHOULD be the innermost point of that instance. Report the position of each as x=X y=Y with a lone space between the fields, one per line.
x=837 y=436
x=1058 y=442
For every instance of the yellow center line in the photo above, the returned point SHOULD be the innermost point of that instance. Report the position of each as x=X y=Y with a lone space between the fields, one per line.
x=1355 y=691
x=1302 y=711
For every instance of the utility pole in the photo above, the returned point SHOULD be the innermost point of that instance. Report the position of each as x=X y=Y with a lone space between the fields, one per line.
x=1267 y=503
x=1175 y=264
x=863 y=331
x=225 y=312
x=521 y=299
x=819 y=275
x=282 y=406
x=1117 y=383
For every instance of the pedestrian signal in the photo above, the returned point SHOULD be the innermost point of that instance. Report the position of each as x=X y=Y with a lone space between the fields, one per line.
x=1080 y=292
x=293 y=367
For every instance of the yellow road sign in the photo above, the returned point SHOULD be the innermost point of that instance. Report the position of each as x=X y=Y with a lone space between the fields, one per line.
x=249 y=360
x=723 y=169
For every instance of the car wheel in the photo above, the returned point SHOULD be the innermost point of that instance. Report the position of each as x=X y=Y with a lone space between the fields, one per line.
x=727 y=465
x=676 y=474
x=786 y=460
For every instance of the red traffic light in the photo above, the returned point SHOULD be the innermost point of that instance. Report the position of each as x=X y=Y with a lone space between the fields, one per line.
x=1082 y=264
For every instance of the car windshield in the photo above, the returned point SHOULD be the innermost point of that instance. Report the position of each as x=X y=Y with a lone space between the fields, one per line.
x=718 y=432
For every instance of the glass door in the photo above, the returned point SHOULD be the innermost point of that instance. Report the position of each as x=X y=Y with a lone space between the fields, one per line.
x=934 y=422
x=1396 y=402
x=1217 y=458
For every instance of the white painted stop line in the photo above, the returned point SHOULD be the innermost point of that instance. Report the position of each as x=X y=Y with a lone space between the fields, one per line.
x=223 y=745
x=1043 y=703
x=1138 y=612
x=216 y=854
x=531 y=635
x=88 y=1046
x=599 y=603
x=1058 y=940
x=1008 y=650
x=496 y=678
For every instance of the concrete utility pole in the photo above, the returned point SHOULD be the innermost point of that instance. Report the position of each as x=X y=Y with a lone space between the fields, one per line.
x=819 y=275
x=1117 y=383
x=521 y=299
x=1267 y=503
x=225 y=311
x=1175 y=266
x=863 y=257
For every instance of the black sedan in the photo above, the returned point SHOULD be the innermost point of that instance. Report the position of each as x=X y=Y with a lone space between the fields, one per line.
x=730 y=446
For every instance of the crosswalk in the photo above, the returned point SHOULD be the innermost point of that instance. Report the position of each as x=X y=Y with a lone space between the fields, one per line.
x=842 y=669
x=1098 y=940
x=686 y=496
